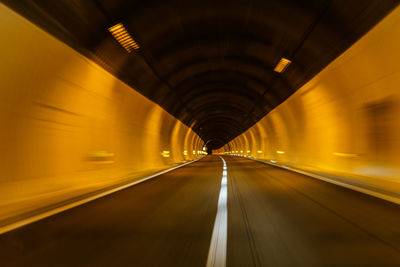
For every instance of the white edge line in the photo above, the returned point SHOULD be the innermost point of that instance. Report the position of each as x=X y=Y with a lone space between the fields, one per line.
x=217 y=252
x=332 y=181
x=37 y=217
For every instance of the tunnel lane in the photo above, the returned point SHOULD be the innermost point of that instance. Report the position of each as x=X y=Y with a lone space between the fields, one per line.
x=275 y=218
x=281 y=218
x=166 y=221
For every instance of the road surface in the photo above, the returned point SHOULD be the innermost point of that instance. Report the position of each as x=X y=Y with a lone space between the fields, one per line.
x=275 y=218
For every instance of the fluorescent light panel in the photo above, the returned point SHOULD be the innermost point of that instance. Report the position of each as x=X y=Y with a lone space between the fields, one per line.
x=123 y=37
x=282 y=65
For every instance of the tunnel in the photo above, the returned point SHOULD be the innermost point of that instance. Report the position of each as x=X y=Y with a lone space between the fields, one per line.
x=200 y=133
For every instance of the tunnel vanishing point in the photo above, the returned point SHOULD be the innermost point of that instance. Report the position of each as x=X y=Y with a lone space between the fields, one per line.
x=200 y=133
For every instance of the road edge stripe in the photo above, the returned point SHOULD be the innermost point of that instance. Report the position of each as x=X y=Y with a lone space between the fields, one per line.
x=366 y=191
x=40 y=216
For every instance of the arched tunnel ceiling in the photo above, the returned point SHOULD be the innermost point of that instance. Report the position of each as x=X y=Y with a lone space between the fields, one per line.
x=210 y=63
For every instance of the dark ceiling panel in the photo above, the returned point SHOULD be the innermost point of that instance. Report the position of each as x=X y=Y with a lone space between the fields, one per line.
x=210 y=63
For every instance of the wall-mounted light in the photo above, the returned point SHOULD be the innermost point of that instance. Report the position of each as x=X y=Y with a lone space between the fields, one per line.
x=123 y=37
x=165 y=154
x=280 y=152
x=282 y=65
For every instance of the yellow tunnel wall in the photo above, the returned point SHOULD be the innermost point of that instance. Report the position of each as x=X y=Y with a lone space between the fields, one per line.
x=69 y=127
x=345 y=120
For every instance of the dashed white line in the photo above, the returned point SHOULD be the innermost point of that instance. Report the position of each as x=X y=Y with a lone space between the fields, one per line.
x=217 y=251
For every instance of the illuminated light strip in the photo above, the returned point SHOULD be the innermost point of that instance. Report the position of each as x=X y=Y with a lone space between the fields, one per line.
x=280 y=152
x=282 y=65
x=165 y=154
x=37 y=217
x=217 y=252
x=351 y=155
x=123 y=37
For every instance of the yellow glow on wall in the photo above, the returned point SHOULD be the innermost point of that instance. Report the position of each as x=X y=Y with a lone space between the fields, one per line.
x=152 y=125
x=178 y=142
x=351 y=105
x=79 y=128
x=280 y=152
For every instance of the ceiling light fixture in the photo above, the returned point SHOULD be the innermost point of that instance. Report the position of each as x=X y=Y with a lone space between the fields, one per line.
x=282 y=65
x=123 y=37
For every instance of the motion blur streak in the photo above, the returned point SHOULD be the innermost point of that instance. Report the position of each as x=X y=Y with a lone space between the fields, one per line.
x=276 y=218
x=345 y=121
x=82 y=121
x=68 y=127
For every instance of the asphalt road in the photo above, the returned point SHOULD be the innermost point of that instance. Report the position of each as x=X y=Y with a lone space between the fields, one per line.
x=281 y=218
x=275 y=218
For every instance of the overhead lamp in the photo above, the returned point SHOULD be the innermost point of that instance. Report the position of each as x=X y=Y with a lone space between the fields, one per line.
x=282 y=65
x=123 y=37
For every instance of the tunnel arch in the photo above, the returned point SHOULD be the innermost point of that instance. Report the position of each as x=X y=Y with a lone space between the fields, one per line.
x=248 y=37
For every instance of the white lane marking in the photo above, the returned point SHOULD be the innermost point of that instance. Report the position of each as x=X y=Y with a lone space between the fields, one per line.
x=23 y=222
x=217 y=251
